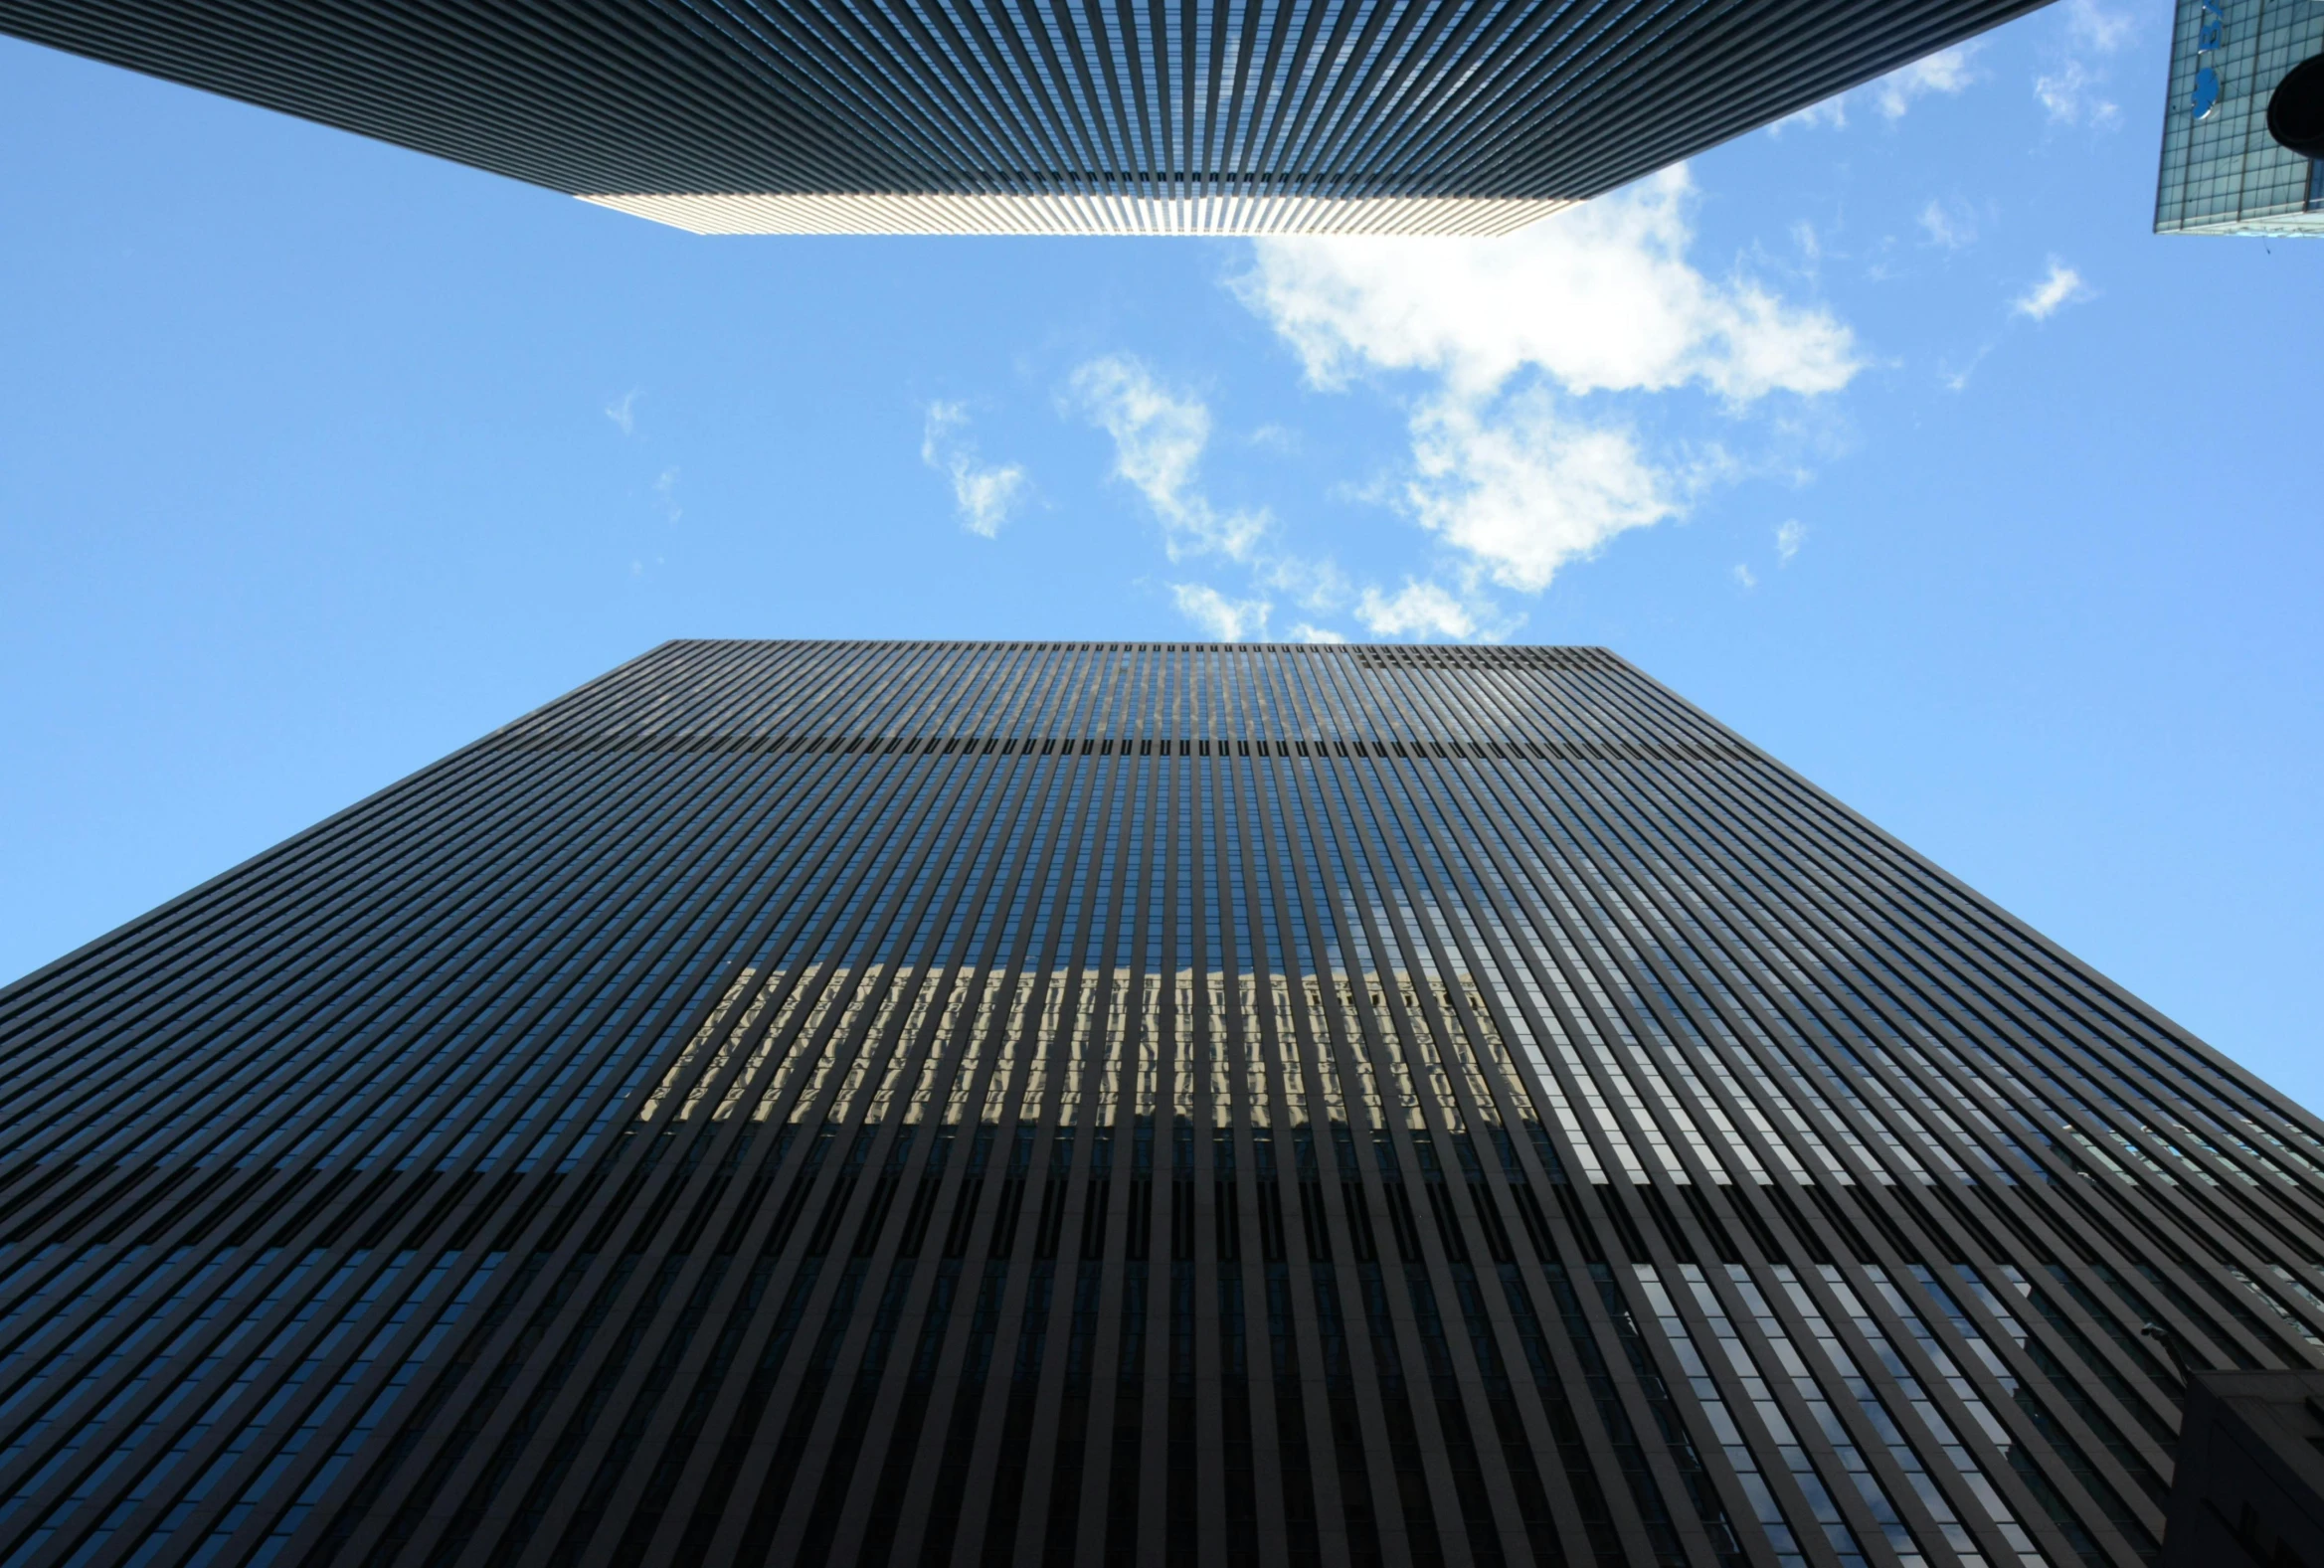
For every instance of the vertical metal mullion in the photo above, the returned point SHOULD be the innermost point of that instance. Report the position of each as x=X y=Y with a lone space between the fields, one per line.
x=1041 y=849
x=1689 y=1527
x=1330 y=1037
x=1260 y=1043
x=914 y=783
x=466 y=1475
x=2167 y=1200
x=1105 y=1369
x=1957 y=1246
x=1008 y=801
x=1973 y=911
x=2032 y=1213
x=325 y=1509
x=1419 y=879
x=1449 y=1504
x=2083 y=1230
x=2040 y=1522
x=1067 y=971
x=1957 y=1418
x=201 y=1515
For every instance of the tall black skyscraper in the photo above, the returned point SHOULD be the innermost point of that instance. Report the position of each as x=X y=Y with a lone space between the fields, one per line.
x=1035 y=116
x=1155 y=1105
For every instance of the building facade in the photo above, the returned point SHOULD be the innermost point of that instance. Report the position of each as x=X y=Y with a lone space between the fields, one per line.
x=2250 y=1479
x=1145 y=1104
x=1444 y=116
x=2222 y=173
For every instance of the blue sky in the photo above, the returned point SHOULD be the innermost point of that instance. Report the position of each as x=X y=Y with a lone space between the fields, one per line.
x=1890 y=436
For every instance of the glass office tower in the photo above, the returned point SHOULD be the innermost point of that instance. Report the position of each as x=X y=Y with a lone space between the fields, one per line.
x=2222 y=173
x=1091 y=116
x=1115 y=1103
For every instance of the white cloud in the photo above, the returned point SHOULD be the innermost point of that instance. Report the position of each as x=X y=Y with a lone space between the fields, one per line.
x=1789 y=536
x=982 y=494
x=1158 y=439
x=2064 y=286
x=2097 y=28
x=1957 y=380
x=665 y=491
x=1746 y=578
x=1948 y=72
x=1509 y=464
x=1316 y=584
x=1306 y=633
x=2070 y=92
x=2069 y=96
x=1227 y=619
x=1832 y=112
x=1600 y=298
x=1951 y=225
x=622 y=411
x=1524 y=490
x=1419 y=609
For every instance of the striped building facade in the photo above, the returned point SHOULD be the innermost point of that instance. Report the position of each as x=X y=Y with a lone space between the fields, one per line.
x=1035 y=116
x=1149 y=1105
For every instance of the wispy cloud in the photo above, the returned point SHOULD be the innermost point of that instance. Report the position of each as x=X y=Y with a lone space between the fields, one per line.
x=1746 y=578
x=1315 y=585
x=1830 y=114
x=1519 y=366
x=622 y=411
x=1424 y=609
x=1789 y=536
x=2071 y=90
x=1159 y=439
x=1957 y=378
x=1512 y=465
x=983 y=495
x=2064 y=286
x=2069 y=96
x=1227 y=619
x=1948 y=223
x=1948 y=72
x=2093 y=27
x=665 y=491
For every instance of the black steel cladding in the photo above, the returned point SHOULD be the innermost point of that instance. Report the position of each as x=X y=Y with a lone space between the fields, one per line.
x=1245 y=97
x=1155 y=1105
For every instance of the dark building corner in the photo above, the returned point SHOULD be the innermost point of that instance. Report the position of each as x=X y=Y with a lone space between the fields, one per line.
x=2250 y=1487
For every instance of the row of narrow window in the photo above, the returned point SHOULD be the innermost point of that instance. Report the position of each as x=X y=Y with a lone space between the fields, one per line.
x=1371 y=1275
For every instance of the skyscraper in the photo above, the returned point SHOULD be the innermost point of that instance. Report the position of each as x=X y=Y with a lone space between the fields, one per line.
x=1115 y=1103
x=2222 y=172
x=1034 y=115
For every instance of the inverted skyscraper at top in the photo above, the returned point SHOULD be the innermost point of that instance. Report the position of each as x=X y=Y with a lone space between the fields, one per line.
x=1100 y=117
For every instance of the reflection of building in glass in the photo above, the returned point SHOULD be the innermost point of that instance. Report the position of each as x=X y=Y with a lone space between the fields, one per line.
x=2222 y=173
x=2250 y=1481
x=859 y=1104
x=1113 y=116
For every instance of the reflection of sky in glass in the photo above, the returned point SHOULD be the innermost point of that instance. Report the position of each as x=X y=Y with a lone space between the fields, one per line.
x=2222 y=172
